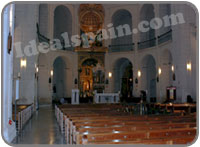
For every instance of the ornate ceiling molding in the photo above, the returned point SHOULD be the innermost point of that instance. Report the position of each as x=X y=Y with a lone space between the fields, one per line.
x=91 y=17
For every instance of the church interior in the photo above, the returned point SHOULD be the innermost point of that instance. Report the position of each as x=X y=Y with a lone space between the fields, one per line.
x=99 y=73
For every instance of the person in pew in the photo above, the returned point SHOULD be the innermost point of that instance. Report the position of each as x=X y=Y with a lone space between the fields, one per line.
x=189 y=99
x=62 y=100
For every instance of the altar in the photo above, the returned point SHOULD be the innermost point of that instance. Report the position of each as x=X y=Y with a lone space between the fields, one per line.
x=106 y=98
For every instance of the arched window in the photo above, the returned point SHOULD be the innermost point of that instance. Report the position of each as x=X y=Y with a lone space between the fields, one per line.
x=164 y=10
x=62 y=24
x=122 y=23
x=147 y=14
x=43 y=19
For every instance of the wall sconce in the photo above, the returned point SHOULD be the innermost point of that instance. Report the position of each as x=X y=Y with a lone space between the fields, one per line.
x=18 y=75
x=157 y=79
x=107 y=81
x=49 y=79
x=174 y=77
x=189 y=66
x=110 y=74
x=51 y=72
x=139 y=73
x=159 y=71
x=172 y=68
x=23 y=63
x=37 y=69
x=75 y=81
x=136 y=80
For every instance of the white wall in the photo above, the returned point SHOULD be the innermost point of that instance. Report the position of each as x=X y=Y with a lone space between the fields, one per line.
x=8 y=131
x=25 y=31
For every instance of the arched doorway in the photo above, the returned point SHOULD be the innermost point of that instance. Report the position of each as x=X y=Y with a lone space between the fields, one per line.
x=59 y=79
x=91 y=75
x=149 y=77
x=123 y=77
x=62 y=24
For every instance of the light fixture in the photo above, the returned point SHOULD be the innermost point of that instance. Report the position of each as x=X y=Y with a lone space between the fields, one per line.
x=172 y=68
x=23 y=63
x=159 y=71
x=18 y=75
x=189 y=66
x=139 y=73
x=37 y=69
x=110 y=74
x=51 y=72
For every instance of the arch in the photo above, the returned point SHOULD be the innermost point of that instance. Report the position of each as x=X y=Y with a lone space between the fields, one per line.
x=62 y=23
x=148 y=78
x=164 y=9
x=86 y=58
x=66 y=58
x=123 y=77
x=122 y=18
x=147 y=14
x=59 y=78
x=43 y=19
x=166 y=57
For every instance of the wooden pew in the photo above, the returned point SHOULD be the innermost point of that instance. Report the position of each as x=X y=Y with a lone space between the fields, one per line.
x=139 y=136
x=89 y=124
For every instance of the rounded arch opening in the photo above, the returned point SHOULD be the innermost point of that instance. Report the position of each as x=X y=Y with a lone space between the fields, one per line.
x=147 y=14
x=59 y=79
x=43 y=19
x=122 y=22
x=123 y=78
x=149 y=74
x=164 y=10
x=62 y=24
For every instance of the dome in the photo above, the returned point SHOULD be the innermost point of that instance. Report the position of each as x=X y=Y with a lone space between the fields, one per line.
x=90 y=22
x=91 y=17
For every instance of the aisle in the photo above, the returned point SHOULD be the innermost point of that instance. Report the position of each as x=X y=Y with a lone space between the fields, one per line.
x=41 y=129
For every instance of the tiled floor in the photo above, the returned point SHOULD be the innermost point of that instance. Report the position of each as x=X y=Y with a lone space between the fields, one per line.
x=41 y=129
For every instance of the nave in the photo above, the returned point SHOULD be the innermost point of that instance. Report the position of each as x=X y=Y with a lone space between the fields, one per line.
x=77 y=73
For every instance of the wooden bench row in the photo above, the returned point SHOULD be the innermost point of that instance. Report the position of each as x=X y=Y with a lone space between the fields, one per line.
x=104 y=124
x=174 y=108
